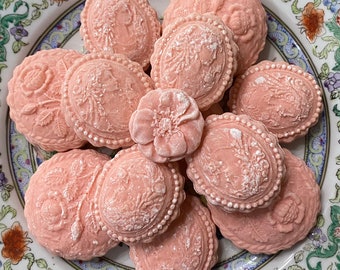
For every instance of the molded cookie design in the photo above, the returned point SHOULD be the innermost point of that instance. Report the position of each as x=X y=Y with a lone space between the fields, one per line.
x=100 y=93
x=239 y=164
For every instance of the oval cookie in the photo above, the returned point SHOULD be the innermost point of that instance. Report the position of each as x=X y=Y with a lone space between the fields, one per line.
x=137 y=198
x=196 y=54
x=34 y=97
x=59 y=205
x=129 y=27
x=167 y=125
x=284 y=97
x=284 y=223
x=239 y=164
x=190 y=242
x=100 y=93
x=246 y=19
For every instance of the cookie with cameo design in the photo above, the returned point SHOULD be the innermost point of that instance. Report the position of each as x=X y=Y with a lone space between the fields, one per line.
x=198 y=55
x=59 y=207
x=137 y=199
x=239 y=165
x=189 y=243
x=129 y=27
x=99 y=94
x=34 y=97
x=284 y=223
x=246 y=19
x=287 y=99
x=167 y=125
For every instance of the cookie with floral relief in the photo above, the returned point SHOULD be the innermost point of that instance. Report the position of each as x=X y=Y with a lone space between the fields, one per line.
x=239 y=164
x=59 y=207
x=246 y=19
x=189 y=243
x=137 y=199
x=167 y=125
x=284 y=223
x=198 y=55
x=34 y=97
x=287 y=99
x=129 y=27
x=100 y=93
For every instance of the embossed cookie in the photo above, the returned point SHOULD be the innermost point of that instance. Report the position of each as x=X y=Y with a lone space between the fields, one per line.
x=284 y=97
x=167 y=125
x=245 y=18
x=59 y=205
x=137 y=198
x=284 y=223
x=34 y=97
x=189 y=243
x=100 y=93
x=239 y=164
x=198 y=55
x=129 y=27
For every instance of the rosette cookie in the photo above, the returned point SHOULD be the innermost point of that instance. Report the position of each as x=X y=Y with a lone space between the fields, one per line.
x=34 y=97
x=59 y=205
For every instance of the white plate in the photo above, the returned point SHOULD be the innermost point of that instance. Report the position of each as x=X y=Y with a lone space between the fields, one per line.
x=29 y=25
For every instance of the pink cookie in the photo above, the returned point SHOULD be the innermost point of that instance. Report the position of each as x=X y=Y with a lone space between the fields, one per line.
x=239 y=164
x=100 y=93
x=284 y=223
x=34 y=97
x=137 y=198
x=167 y=125
x=245 y=18
x=284 y=97
x=59 y=205
x=129 y=27
x=190 y=242
x=198 y=55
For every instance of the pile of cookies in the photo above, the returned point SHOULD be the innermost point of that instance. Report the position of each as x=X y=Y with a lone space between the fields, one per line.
x=154 y=92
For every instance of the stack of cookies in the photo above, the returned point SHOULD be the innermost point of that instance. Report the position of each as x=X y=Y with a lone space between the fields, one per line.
x=154 y=93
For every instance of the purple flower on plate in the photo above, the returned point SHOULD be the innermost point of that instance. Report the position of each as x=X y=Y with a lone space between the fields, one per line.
x=18 y=32
x=3 y=181
x=332 y=83
x=317 y=237
x=332 y=5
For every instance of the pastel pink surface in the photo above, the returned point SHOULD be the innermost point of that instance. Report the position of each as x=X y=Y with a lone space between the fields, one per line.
x=284 y=97
x=100 y=93
x=34 y=97
x=129 y=27
x=59 y=205
x=284 y=223
x=137 y=198
x=198 y=55
x=246 y=19
x=167 y=125
x=190 y=242
x=239 y=164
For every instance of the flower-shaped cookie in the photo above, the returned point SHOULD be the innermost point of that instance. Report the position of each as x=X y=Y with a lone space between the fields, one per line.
x=167 y=125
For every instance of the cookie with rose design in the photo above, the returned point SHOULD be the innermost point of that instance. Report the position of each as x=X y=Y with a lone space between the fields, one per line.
x=137 y=199
x=245 y=18
x=189 y=243
x=129 y=27
x=287 y=99
x=59 y=207
x=167 y=125
x=198 y=55
x=284 y=223
x=239 y=164
x=34 y=98
x=99 y=94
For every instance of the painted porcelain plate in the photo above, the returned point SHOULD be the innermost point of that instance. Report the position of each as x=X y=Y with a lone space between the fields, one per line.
x=300 y=32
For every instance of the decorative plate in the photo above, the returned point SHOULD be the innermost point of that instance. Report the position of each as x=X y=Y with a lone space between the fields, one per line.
x=300 y=32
